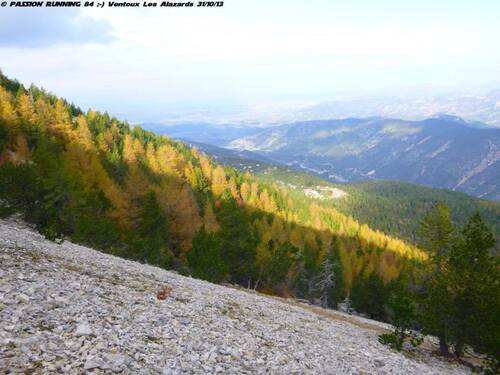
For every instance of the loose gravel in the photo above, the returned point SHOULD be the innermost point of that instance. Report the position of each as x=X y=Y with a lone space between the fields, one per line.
x=68 y=309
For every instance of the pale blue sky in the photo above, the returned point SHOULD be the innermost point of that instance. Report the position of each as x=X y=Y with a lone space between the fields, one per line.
x=157 y=61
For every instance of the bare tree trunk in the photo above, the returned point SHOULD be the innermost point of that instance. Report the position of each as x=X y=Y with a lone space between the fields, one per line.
x=310 y=291
x=258 y=280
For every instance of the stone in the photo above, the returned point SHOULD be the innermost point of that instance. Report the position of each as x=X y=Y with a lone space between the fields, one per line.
x=83 y=330
x=117 y=362
x=92 y=363
x=98 y=314
x=21 y=297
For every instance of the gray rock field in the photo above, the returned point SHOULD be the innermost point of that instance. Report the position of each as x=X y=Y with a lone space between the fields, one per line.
x=68 y=309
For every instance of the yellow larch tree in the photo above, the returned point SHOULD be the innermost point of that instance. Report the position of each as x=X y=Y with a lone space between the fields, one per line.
x=8 y=114
x=25 y=109
x=169 y=161
x=206 y=167
x=190 y=174
x=177 y=200
x=245 y=191
x=218 y=181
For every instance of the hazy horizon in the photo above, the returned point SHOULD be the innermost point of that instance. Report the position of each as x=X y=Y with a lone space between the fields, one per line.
x=158 y=64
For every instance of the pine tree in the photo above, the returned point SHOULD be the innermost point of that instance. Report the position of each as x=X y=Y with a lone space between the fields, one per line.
x=238 y=243
x=337 y=293
x=473 y=282
x=278 y=264
x=152 y=230
x=436 y=236
x=205 y=259
x=370 y=295
x=402 y=315
x=307 y=268
x=435 y=233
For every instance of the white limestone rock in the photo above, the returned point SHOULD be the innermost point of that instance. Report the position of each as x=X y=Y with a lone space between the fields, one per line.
x=65 y=308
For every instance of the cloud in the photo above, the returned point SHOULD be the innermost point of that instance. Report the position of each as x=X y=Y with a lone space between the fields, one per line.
x=38 y=28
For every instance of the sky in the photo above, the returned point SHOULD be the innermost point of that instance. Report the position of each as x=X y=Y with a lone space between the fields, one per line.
x=149 y=63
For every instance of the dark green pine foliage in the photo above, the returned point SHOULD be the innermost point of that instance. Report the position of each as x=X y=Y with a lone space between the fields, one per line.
x=436 y=235
x=4 y=142
x=281 y=261
x=152 y=237
x=307 y=269
x=20 y=190
x=402 y=315
x=238 y=241
x=337 y=292
x=113 y=164
x=474 y=281
x=92 y=226
x=370 y=296
x=205 y=259
x=459 y=299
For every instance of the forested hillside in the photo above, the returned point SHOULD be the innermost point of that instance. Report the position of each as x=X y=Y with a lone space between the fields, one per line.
x=95 y=179
x=397 y=207
x=393 y=207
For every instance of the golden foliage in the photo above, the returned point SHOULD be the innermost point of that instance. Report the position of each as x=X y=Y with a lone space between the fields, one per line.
x=218 y=181
x=209 y=219
x=159 y=166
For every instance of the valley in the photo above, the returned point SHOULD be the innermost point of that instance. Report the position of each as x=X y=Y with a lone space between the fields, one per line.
x=443 y=152
x=250 y=187
x=390 y=206
x=217 y=214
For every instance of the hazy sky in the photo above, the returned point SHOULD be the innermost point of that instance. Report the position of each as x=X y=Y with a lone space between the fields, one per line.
x=251 y=51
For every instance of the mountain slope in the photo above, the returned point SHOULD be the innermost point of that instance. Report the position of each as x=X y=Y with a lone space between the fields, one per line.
x=94 y=179
x=70 y=309
x=441 y=152
x=393 y=207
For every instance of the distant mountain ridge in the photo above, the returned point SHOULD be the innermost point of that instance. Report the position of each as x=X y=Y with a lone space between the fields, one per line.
x=443 y=152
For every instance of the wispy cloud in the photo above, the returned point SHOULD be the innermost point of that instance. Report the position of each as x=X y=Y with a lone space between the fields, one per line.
x=40 y=28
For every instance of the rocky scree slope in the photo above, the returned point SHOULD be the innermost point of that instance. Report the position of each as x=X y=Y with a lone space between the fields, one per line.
x=65 y=308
